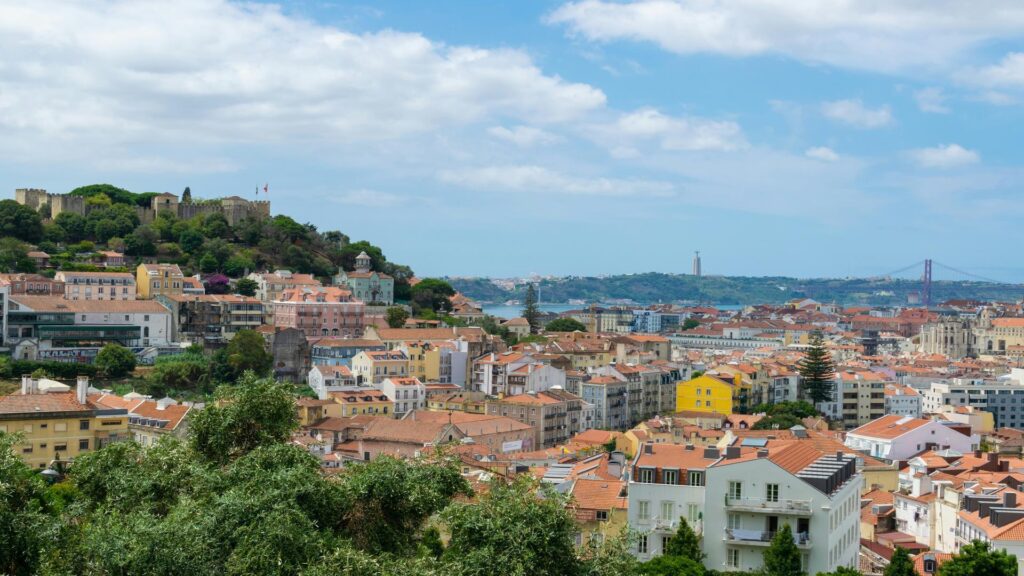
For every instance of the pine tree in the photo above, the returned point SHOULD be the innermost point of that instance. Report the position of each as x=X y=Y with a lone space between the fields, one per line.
x=901 y=564
x=684 y=543
x=530 y=310
x=782 y=558
x=817 y=370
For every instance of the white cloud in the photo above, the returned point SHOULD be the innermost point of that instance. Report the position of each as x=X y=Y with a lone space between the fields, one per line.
x=855 y=113
x=945 y=156
x=1008 y=73
x=670 y=133
x=822 y=153
x=523 y=136
x=79 y=73
x=533 y=178
x=885 y=36
x=932 y=100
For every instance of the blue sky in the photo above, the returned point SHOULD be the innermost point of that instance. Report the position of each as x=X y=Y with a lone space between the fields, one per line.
x=788 y=137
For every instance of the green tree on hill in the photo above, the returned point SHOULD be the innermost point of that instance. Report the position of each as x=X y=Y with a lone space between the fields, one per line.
x=433 y=294
x=246 y=287
x=115 y=361
x=565 y=325
x=396 y=316
x=21 y=222
x=817 y=370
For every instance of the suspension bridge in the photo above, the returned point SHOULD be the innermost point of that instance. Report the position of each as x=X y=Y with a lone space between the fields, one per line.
x=928 y=268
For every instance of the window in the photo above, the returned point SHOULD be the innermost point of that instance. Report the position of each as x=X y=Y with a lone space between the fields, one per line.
x=27 y=449
x=664 y=543
x=670 y=476
x=732 y=558
x=735 y=490
x=60 y=447
x=641 y=544
x=707 y=403
x=602 y=515
x=647 y=475
x=695 y=478
x=692 y=512
x=772 y=493
x=83 y=424
x=668 y=510
x=733 y=522
x=698 y=391
x=643 y=509
x=83 y=444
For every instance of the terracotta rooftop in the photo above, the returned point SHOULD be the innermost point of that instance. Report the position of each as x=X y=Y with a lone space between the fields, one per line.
x=889 y=427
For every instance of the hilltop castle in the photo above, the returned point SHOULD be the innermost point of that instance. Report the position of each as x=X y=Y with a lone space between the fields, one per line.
x=234 y=208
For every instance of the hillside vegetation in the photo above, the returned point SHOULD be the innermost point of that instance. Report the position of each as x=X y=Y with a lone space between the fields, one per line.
x=206 y=244
x=655 y=287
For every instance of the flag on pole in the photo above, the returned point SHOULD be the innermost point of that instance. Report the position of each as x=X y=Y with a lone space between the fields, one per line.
x=266 y=189
x=257 y=191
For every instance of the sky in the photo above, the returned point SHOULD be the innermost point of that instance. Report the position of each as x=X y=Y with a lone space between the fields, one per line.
x=811 y=138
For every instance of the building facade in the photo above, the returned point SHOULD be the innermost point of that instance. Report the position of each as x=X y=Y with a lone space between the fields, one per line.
x=97 y=285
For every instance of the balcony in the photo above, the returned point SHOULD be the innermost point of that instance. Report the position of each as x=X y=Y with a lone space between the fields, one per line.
x=761 y=505
x=762 y=538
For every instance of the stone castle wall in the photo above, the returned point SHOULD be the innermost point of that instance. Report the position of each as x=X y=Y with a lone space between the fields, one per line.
x=233 y=208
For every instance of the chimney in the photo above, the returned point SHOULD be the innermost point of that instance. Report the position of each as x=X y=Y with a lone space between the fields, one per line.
x=689 y=447
x=839 y=455
x=26 y=384
x=82 y=389
x=993 y=461
x=1004 y=465
x=732 y=452
x=762 y=453
x=977 y=453
x=711 y=452
x=1010 y=500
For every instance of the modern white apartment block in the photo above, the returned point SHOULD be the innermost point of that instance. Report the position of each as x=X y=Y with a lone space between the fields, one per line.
x=816 y=494
x=739 y=498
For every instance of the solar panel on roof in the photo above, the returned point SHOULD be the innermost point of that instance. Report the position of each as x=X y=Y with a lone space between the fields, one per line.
x=755 y=442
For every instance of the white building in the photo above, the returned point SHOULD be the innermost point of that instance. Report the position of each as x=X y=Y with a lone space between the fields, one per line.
x=1004 y=399
x=408 y=394
x=898 y=437
x=738 y=499
x=902 y=400
x=666 y=484
x=53 y=328
x=816 y=494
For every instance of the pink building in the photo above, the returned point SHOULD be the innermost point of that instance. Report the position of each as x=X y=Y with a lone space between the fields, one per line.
x=320 y=311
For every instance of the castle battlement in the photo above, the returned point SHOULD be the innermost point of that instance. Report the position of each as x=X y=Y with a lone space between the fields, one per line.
x=234 y=208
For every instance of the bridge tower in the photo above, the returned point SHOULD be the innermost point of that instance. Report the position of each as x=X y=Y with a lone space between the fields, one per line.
x=926 y=284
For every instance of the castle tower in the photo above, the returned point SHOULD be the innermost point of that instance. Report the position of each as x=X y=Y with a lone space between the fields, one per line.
x=363 y=262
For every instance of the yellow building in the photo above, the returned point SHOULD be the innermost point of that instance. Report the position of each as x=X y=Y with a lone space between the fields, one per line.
x=368 y=401
x=371 y=367
x=601 y=509
x=705 y=393
x=59 y=424
x=424 y=360
x=152 y=280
